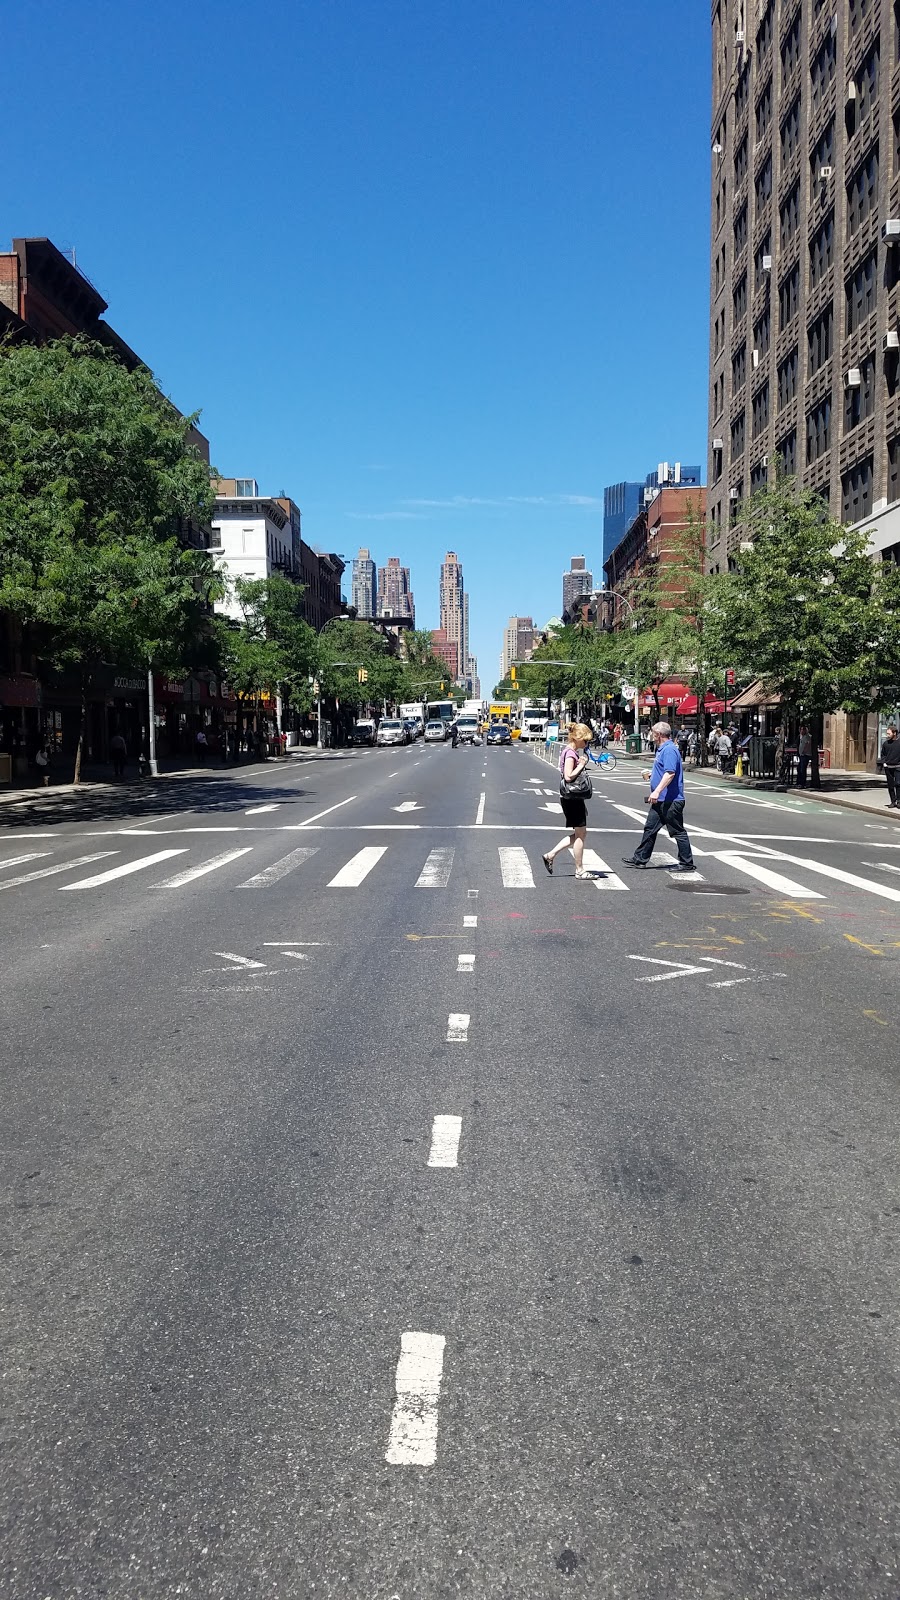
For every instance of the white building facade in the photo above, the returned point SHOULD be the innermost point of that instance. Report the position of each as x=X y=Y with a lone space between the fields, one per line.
x=251 y=538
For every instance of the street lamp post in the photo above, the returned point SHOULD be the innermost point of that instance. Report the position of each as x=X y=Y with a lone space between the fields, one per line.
x=151 y=712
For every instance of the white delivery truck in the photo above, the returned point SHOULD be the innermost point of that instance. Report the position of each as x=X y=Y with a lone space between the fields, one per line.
x=534 y=720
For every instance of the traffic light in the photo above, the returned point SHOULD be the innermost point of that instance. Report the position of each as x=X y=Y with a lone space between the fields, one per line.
x=442 y=688
x=363 y=675
x=512 y=674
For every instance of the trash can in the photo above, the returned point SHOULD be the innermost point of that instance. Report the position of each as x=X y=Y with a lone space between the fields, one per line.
x=633 y=744
x=762 y=756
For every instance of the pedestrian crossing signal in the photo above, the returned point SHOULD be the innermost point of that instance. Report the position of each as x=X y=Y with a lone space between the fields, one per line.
x=363 y=675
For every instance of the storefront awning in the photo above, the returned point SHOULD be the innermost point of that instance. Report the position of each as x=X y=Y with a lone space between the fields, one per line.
x=688 y=706
x=755 y=695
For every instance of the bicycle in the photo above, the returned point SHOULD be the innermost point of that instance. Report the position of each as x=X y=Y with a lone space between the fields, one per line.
x=604 y=759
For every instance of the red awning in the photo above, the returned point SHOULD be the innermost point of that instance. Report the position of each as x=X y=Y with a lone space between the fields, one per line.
x=670 y=693
x=688 y=706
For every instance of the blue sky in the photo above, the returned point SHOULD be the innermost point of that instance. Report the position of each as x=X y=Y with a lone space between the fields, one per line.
x=436 y=268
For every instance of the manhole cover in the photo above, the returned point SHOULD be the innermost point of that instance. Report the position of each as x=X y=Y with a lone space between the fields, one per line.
x=707 y=888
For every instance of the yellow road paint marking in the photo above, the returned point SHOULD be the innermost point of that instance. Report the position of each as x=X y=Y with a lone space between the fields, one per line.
x=872 y=948
x=873 y=1015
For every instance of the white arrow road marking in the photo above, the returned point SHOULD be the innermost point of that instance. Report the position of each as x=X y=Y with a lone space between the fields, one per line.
x=445 y=1133
x=408 y=805
x=60 y=866
x=684 y=971
x=295 y=955
x=240 y=961
x=414 y=1420
x=458 y=1027
x=257 y=811
x=550 y=805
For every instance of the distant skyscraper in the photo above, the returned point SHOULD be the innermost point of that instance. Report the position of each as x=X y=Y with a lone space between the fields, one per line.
x=395 y=598
x=473 y=682
x=455 y=609
x=576 y=582
x=447 y=650
x=363 y=590
x=518 y=643
x=621 y=504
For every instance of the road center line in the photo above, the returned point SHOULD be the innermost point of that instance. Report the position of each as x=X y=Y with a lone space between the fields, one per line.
x=479 y=815
x=325 y=813
x=458 y=1027
x=414 y=1420
x=472 y=922
x=445 y=1135
x=465 y=963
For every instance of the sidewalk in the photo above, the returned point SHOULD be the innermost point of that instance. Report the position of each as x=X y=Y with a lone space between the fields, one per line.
x=96 y=779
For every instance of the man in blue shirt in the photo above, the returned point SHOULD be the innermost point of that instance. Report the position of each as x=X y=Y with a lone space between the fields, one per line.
x=666 y=802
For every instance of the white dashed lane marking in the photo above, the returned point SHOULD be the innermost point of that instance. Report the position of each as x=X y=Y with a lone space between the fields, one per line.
x=479 y=815
x=458 y=1027
x=414 y=1420
x=445 y=1135
x=465 y=963
x=472 y=922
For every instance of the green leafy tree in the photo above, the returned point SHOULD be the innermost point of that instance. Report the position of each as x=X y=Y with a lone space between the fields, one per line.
x=269 y=649
x=346 y=647
x=96 y=468
x=808 y=611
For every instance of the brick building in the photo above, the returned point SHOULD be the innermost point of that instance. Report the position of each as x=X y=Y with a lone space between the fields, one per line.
x=654 y=540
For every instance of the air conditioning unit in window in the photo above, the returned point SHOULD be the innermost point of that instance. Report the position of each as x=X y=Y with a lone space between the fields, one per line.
x=766 y=263
x=891 y=341
x=890 y=230
x=825 y=173
x=739 y=36
x=764 y=462
x=734 y=494
x=755 y=359
x=718 y=444
x=851 y=91
x=853 y=378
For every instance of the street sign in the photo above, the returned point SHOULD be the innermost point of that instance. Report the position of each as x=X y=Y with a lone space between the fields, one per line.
x=729 y=677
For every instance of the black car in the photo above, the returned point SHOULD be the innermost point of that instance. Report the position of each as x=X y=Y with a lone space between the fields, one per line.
x=498 y=733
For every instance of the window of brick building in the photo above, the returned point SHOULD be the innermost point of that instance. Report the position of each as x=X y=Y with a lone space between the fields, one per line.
x=742 y=91
x=758 y=477
x=893 y=483
x=762 y=333
x=867 y=82
x=738 y=434
x=821 y=251
x=760 y=411
x=823 y=154
x=739 y=297
x=823 y=68
x=763 y=254
x=740 y=161
x=789 y=297
x=896 y=29
x=862 y=191
x=787 y=450
x=860 y=11
x=856 y=491
x=789 y=216
x=790 y=132
x=739 y=367
x=860 y=292
x=787 y=379
x=821 y=339
x=762 y=187
x=818 y=431
x=766 y=30
x=790 y=47
x=764 y=110
x=859 y=403
x=740 y=230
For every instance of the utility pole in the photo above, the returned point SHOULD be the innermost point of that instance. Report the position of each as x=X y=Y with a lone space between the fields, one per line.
x=151 y=711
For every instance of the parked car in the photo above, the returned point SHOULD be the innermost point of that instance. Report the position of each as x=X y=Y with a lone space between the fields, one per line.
x=498 y=733
x=364 y=732
x=435 y=733
x=391 y=731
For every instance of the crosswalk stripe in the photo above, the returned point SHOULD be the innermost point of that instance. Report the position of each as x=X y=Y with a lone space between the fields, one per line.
x=772 y=880
x=883 y=889
x=595 y=863
x=123 y=871
x=279 y=869
x=436 y=872
x=190 y=873
x=515 y=868
x=358 y=867
x=59 y=866
x=18 y=861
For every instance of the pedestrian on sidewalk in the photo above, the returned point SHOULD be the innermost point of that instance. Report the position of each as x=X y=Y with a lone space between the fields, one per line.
x=574 y=789
x=42 y=762
x=890 y=761
x=202 y=744
x=804 y=755
x=666 y=802
x=118 y=750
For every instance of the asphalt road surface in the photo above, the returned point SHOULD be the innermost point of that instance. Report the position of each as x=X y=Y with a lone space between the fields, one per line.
x=385 y=1218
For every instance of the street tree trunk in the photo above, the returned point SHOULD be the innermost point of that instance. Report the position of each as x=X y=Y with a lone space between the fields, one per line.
x=82 y=725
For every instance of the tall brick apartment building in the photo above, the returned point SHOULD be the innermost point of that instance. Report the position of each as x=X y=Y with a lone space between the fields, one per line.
x=805 y=288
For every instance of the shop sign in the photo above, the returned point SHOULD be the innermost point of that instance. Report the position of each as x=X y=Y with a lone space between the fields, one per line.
x=128 y=686
x=20 y=690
